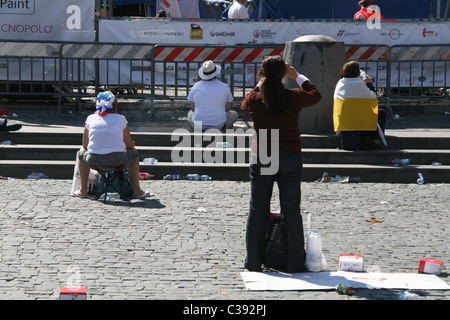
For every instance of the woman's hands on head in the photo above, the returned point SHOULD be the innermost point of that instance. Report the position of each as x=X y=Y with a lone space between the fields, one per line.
x=291 y=72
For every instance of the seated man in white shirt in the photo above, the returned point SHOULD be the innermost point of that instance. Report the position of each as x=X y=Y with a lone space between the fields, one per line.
x=238 y=10
x=210 y=101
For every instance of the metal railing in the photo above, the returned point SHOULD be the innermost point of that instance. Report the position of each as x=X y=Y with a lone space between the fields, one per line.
x=76 y=71
x=87 y=68
x=374 y=60
x=420 y=71
x=239 y=65
x=29 y=69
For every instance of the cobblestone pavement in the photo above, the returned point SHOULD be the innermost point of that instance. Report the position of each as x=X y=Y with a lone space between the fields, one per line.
x=188 y=241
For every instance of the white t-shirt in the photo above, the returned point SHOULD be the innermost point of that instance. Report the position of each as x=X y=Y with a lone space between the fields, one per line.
x=210 y=98
x=237 y=11
x=189 y=9
x=106 y=133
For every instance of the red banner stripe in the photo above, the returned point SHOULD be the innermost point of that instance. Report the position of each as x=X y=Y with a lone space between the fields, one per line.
x=175 y=52
x=232 y=56
x=157 y=51
x=369 y=52
x=213 y=55
x=445 y=56
x=385 y=55
x=351 y=51
x=276 y=52
x=194 y=54
x=253 y=55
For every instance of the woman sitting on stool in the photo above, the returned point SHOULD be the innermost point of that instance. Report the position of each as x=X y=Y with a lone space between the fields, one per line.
x=107 y=143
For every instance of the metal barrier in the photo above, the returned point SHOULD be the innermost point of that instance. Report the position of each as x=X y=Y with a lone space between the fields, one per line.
x=121 y=68
x=239 y=65
x=420 y=71
x=375 y=61
x=29 y=68
x=76 y=71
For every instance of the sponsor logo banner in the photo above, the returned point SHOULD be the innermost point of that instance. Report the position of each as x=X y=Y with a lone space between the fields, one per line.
x=263 y=32
x=47 y=20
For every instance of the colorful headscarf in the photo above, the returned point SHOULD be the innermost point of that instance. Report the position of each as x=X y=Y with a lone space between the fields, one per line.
x=104 y=103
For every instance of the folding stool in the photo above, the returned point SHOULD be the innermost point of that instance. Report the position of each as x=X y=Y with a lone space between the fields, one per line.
x=109 y=175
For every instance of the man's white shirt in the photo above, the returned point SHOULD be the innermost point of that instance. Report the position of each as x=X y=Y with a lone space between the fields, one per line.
x=237 y=11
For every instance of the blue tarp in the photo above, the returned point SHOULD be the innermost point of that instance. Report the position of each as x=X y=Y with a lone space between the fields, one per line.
x=206 y=11
x=318 y=9
x=345 y=9
x=126 y=2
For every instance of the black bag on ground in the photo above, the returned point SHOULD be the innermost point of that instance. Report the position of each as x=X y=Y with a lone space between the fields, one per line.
x=352 y=140
x=119 y=182
x=274 y=252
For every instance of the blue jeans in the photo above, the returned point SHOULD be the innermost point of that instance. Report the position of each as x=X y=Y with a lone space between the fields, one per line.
x=288 y=179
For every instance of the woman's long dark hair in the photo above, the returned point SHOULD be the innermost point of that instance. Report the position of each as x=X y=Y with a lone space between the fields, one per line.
x=273 y=70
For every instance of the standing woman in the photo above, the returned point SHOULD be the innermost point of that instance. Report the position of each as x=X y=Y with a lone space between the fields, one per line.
x=273 y=107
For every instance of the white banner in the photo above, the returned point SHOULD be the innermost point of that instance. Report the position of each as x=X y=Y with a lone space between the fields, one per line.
x=264 y=32
x=47 y=20
x=355 y=33
x=420 y=74
x=115 y=73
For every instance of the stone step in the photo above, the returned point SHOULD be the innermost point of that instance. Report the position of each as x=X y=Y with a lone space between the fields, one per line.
x=396 y=140
x=240 y=172
x=234 y=155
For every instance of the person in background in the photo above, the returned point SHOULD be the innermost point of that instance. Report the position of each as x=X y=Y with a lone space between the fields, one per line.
x=210 y=101
x=274 y=107
x=355 y=110
x=238 y=10
x=107 y=142
x=367 y=10
x=161 y=14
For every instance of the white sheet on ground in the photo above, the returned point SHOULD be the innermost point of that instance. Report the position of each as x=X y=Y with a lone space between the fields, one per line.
x=272 y=281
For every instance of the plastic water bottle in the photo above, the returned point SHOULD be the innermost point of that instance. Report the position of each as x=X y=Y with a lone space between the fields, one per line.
x=421 y=180
x=354 y=180
x=172 y=177
x=192 y=176
x=146 y=176
x=110 y=196
x=150 y=161
x=37 y=175
x=205 y=177
x=314 y=252
x=406 y=295
x=400 y=162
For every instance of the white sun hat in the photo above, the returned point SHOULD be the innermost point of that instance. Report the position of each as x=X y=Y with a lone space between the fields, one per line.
x=209 y=70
